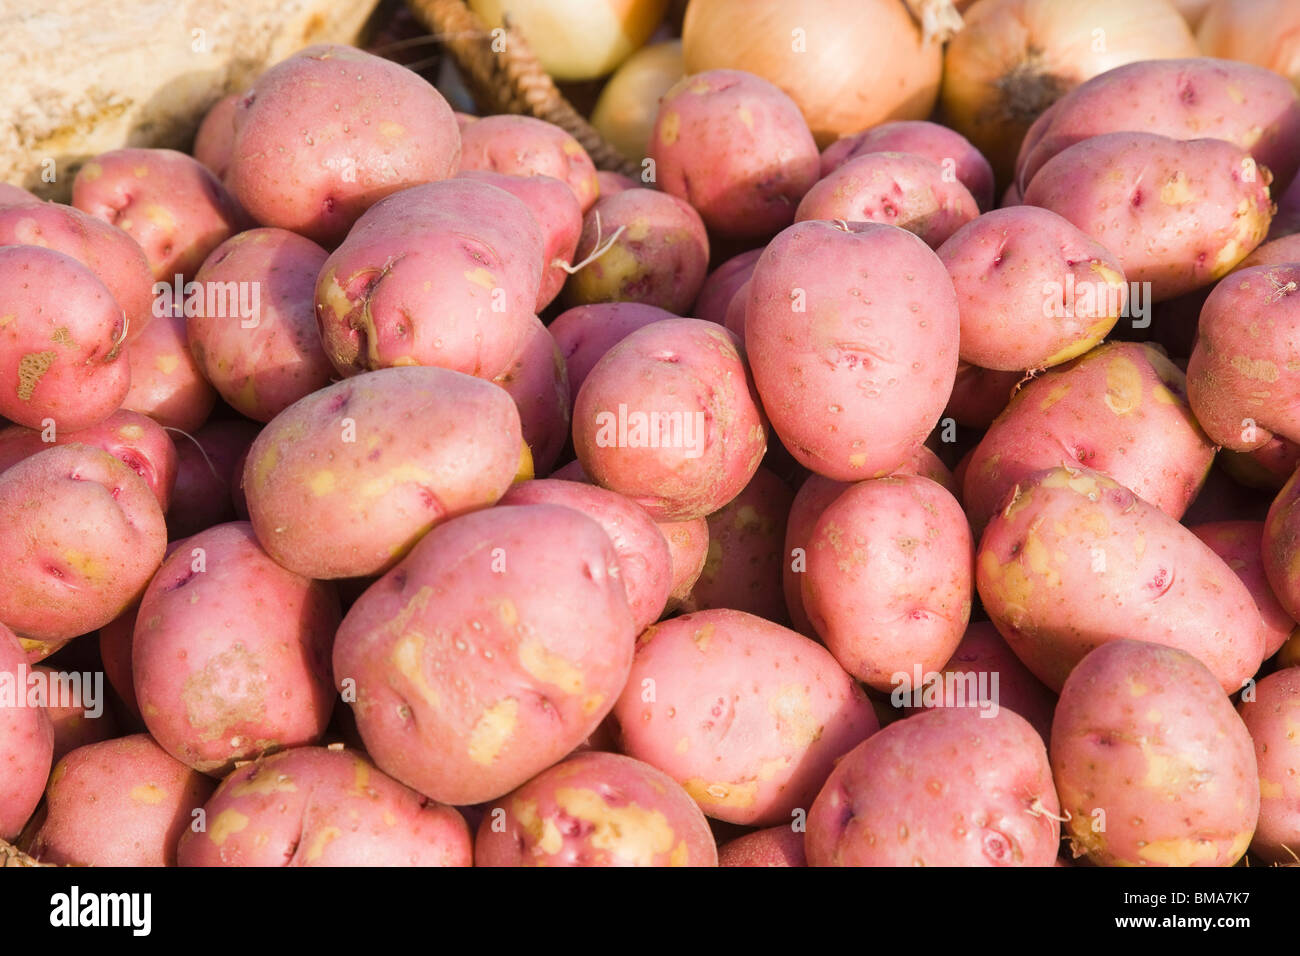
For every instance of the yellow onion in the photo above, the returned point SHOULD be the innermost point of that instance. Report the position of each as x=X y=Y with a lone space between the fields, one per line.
x=626 y=110
x=1263 y=32
x=849 y=64
x=1014 y=58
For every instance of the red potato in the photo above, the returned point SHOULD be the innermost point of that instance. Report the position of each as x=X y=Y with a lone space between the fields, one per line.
x=596 y=809
x=445 y=274
x=26 y=741
x=168 y=202
x=947 y=787
x=1075 y=560
x=11 y=195
x=774 y=846
x=1033 y=291
x=215 y=139
x=324 y=135
x=586 y=332
x=721 y=286
x=736 y=148
x=121 y=802
x=317 y=806
x=611 y=183
x=526 y=146
x=1277 y=251
x=1240 y=545
x=737 y=311
x=640 y=245
x=746 y=715
x=538 y=382
x=115 y=639
x=806 y=508
x=1178 y=214
x=264 y=358
x=688 y=546
x=78 y=711
x=80 y=536
x=230 y=655
x=853 y=360
x=1281 y=547
x=979 y=395
x=1286 y=221
x=1153 y=766
x=1268 y=467
x=166 y=382
x=207 y=468
x=889 y=579
x=1273 y=720
x=669 y=418
x=952 y=151
x=898 y=189
x=495 y=648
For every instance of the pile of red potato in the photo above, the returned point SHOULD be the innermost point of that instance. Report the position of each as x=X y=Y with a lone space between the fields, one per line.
x=430 y=498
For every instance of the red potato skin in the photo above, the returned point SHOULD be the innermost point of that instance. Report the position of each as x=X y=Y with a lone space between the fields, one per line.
x=115 y=640
x=736 y=148
x=1075 y=561
x=611 y=183
x=166 y=382
x=317 y=806
x=688 y=547
x=979 y=395
x=944 y=788
x=470 y=681
x=26 y=745
x=596 y=809
x=168 y=202
x=1277 y=251
x=889 y=579
x=121 y=802
x=774 y=846
x=538 y=383
x=527 y=146
x=372 y=128
x=1281 y=547
x=722 y=284
x=11 y=195
x=898 y=189
x=812 y=499
x=73 y=726
x=206 y=470
x=1241 y=546
x=737 y=310
x=857 y=379
x=253 y=640
x=1273 y=720
x=214 y=142
x=586 y=332
x=677 y=365
x=1267 y=467
x=746 y=715
x=1144 y=734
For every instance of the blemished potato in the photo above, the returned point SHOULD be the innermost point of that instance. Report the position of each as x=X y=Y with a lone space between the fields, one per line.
x=61 y=344
x=941 y=145
x=747 y=716
x=1249 y=106
x=944 y=788
x=262 y=361
x=897 y=189
x=773 y=846
x=216 y=135
x=668 y=417
x=659 y=258
x=78 y=716
x=445 y=274
x=1242 y=380
x=586 y=332
x=80 y=536
x=138 y=442
x=168 y=202
x=851 y=335
x=736 y=148
x=979 y=395
x=207 y=470
x=889 y=578
x=538 y=382
x=596 y=809
x=644 y=561
x=1152 y=764
x=318 y=806
x=1119 y=409
x=527 y=146
x=1075 y=560
x=1177 y=214
x=1241 y=546
x=166 y=382
x=495 y=648
x=721 y=286
x=688 y=546
x=1273 y=720
x=1033 y=291
x=230 y=654
x=121 y=802
x=26 y=741
x=343 y=482
x=324 y=135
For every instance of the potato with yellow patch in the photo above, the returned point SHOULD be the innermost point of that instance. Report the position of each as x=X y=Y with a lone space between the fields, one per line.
x=343 y=482
x=669 y=417
x=166 y=382
x=640 y=245
x=1272 y=716
x=26 y=740
x=121 y=802
x=596 y=809
x=1033 y=290
x=1120 y=409
x=527 y=146
x=1243 y=379
x=318 y=806
x=1177 y=214
x=1076 y=560
x=230 y=654
x=495 y=648
x=851 y=331
x=168 y=202
x=1152 y=764
x=951 y=787
x=747 y=716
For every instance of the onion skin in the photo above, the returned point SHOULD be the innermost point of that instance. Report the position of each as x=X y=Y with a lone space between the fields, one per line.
x=862 y=63
x=1263 y=32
